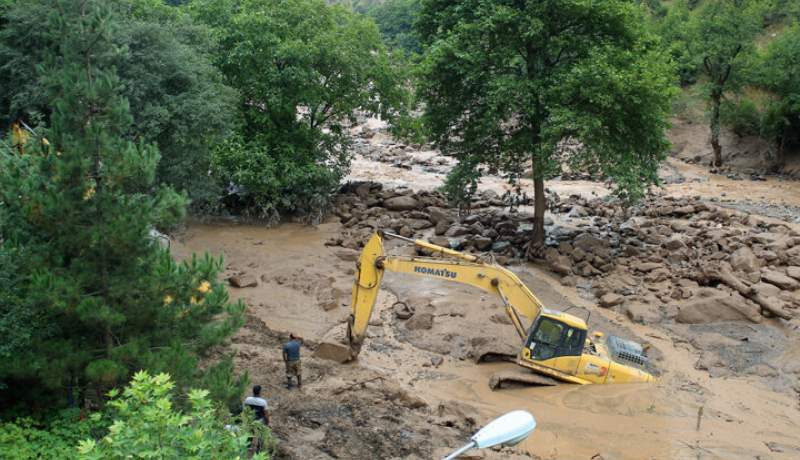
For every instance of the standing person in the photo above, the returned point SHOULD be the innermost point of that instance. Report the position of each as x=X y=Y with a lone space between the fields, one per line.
x=291 y=356
x=260 y=410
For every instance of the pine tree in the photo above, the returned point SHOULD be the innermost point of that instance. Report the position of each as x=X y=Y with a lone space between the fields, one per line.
x=79 y=205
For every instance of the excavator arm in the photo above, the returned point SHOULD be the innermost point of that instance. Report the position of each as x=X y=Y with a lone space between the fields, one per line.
x=452 y=266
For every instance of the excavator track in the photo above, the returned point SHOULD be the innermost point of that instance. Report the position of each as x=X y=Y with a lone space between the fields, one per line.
x=526 y=378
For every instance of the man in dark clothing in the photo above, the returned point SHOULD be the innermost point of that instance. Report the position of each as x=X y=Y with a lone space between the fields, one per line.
x=260 y=410
x=291 y=356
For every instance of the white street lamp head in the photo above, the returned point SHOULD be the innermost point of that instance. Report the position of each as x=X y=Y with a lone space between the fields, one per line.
x=510 y=429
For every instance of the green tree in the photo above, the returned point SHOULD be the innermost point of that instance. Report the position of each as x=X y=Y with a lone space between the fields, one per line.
x=146 y=425
x=176 y=95
x=76 y=211
x=395 y=19
x=676 y=35
x=510 y=81
x=303 y=69
x=723 y=33
x=779 y=73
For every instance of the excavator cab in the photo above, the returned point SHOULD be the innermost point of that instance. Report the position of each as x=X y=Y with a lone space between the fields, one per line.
x=552 y=338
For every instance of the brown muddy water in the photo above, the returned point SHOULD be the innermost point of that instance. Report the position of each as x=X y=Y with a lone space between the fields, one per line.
x=687 y=415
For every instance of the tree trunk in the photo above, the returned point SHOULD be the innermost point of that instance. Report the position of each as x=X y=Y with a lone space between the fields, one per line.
x=716 y=97
x=536 y=246
x=780 y=156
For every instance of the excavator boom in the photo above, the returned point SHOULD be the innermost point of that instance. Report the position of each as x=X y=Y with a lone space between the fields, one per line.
x=554 y=343
x=456 y=267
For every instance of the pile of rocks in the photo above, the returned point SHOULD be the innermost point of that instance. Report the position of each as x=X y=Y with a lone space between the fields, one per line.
x=364 y=207
x=664 y=249
x=669 y=249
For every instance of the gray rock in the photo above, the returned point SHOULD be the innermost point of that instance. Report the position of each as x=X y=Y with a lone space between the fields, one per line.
x=457 y=230
x=780 y=280
x=794 y=272
x=348 y=255
x=482 y=243
x=745 y=260
x=437 y=215
x=441 y=227
x=242 y=281
x=401 y=203
x=420 y=321
x=646 y=267
x=499 y=246
x=640 y=313
x=440 y=241
x=674 y=244
x=610 y=299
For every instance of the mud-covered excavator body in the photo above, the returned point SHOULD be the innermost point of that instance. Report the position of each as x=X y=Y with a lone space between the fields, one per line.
x=554 y=344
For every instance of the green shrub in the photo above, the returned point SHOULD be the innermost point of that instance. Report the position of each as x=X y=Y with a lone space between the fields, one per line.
x=742 y=117
x=146 y=425
x=29 y=439
x=266 y=182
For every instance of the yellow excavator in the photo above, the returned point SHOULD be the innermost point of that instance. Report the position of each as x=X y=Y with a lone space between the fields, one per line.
x=556 y=345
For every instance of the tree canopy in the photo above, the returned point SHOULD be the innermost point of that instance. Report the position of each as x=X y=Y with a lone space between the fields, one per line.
x=302 y=69
x=176 y=96
x=506 y=82
x=79 y=203
x=722 y=32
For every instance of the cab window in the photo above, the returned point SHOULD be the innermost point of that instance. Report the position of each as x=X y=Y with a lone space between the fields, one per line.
x=552 y=338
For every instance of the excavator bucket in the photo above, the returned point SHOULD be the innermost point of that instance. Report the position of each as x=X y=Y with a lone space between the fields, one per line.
x=365 y=292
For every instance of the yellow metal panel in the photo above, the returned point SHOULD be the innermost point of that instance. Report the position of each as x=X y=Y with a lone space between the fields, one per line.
x=366 y=286
x=593 y=368
x=547 y=367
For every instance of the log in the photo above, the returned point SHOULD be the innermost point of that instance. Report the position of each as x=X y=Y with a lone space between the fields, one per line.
x=729 y=279
x=724 y=275
x=765 y=304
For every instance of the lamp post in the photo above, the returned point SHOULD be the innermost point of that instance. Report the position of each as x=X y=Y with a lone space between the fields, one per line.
x=508 y=430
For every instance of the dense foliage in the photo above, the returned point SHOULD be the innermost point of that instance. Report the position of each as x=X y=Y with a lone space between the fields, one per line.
x=778 y=72
x=147 y=425
x=96 y=297
x=176 y=95
x=509 y=82
x=55 y=438
x=302 y=69
x=115 y=116
x=396 y=19
x=723 y=32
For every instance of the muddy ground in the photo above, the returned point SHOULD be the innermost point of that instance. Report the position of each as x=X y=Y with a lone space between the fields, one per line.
x=728 y=385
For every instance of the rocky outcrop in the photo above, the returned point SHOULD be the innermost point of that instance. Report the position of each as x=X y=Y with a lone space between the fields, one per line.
x=659 y=252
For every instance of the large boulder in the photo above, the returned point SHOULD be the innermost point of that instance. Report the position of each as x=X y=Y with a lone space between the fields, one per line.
x=560 y=264
x=610 y=299
x=438 y=214
x=711 y=305
x=780 y=280
x=641 y=313
x=482 y=243
x=743 y=259
x=457 y=230
x=401 y=203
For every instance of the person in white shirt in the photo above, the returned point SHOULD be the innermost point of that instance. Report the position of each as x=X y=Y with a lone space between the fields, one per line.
x=260 y=408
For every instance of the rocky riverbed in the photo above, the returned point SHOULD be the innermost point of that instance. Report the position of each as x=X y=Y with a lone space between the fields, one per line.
x=708 y=285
